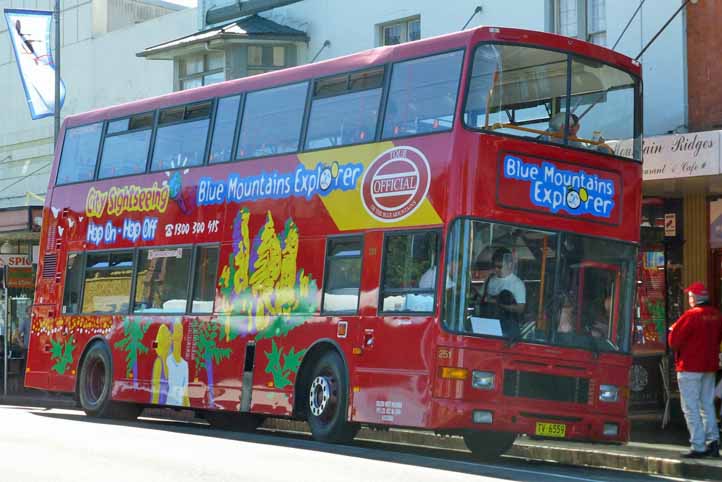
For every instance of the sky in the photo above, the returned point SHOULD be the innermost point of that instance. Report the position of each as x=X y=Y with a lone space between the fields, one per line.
x=185 y=3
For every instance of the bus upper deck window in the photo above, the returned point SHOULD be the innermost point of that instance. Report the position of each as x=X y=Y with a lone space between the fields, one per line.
x=345 y=109
x=79 y=155
x=224 y=129
x=422 y=97
x=181 y=137
x=125 y=149
x=271 y=122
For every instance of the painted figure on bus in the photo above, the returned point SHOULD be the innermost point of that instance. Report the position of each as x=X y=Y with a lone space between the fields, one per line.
x=159 y=389
x=177 y=370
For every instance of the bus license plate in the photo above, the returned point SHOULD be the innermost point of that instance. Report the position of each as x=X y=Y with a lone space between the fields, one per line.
x=551 y=429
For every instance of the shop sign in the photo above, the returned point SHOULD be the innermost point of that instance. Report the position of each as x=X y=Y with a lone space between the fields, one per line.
x=677 y=155
x=20 y=278
x=15 y=261
x=670 y=225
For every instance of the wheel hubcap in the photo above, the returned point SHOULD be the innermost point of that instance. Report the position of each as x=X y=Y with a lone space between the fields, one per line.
x=320 y=395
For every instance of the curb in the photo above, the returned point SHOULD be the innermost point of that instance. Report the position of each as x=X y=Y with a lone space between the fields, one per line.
x=669 y=467
x=596 y=457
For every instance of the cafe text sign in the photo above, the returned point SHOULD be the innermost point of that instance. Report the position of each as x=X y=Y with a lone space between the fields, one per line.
x=15 y=261
x=678 y=155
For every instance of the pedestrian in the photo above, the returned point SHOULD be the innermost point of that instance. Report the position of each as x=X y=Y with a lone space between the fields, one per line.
x=695 y=339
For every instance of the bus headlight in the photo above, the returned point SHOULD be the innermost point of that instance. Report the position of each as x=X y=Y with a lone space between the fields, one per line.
x=482 y=380
x=608 y=393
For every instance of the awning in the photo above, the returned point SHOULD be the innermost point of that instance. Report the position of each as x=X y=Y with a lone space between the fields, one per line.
x=253 y=28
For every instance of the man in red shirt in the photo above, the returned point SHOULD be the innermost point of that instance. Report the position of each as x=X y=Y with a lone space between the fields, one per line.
x=695 y=338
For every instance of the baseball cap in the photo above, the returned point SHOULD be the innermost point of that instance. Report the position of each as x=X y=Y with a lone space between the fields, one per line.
x=697 y=288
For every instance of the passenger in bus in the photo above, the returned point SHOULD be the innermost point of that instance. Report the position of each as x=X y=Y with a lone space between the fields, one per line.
x=555 y=133
x=599 y=327
x=566 y=316
x=428 y=279
x=557 y=125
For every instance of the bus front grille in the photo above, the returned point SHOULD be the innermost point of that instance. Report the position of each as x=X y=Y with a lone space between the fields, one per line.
x=541 y=386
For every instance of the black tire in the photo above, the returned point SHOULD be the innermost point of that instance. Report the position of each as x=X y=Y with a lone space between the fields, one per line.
x=327 y=399
x=96 y=384
x=238 y=422
x=488 y=445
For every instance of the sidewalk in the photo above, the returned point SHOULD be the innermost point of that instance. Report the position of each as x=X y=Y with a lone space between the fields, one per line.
x=652 y=450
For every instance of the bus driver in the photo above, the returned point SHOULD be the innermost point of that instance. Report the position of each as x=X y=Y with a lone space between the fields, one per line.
x=503 y=279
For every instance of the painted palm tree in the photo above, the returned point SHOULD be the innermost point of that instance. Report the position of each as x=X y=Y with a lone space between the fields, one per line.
x=207 y=351
x=132 y=344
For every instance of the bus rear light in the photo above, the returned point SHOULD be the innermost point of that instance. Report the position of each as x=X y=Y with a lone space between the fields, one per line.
x=483 y=416
x=454 y=373
x=483 y=380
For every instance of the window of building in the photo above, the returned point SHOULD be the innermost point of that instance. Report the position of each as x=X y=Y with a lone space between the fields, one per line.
x=345 y=109
x=409 y=272
x=266 y=58
x=400 y=31
x=181 y=137
x=201 y=69
x=422 y=97
x=107 y=282
x=342 y=279
x=80 y=151
x=272 y=121
x=584 y=19
x=125 y=148
x=161 y=285
x=204 y=281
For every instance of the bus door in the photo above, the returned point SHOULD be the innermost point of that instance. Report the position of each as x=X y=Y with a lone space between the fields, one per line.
x=598 y=299
x=393 y=369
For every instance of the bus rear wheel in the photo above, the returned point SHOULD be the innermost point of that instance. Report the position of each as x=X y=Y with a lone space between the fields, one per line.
x=95 y=386
x=488 y=445
x=328 y=401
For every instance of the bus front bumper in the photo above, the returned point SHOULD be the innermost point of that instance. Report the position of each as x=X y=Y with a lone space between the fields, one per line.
x=534 y=418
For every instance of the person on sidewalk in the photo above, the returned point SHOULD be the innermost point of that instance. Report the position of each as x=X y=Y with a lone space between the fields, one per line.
x=695 y=339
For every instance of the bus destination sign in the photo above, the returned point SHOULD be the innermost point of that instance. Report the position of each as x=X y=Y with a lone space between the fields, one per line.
x=559 y=188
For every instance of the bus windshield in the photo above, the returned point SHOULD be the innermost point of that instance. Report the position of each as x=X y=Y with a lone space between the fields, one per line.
x=553 y=97
x=539 y=286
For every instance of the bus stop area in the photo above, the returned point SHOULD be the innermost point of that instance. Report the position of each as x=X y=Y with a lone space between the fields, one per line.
x=651 y=450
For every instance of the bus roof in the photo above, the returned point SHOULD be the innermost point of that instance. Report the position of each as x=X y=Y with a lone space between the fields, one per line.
x=358 y=61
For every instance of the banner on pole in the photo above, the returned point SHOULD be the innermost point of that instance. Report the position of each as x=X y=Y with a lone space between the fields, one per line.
x=30 y=36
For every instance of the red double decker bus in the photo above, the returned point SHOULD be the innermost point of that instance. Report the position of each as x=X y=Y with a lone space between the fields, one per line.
x=432 y=235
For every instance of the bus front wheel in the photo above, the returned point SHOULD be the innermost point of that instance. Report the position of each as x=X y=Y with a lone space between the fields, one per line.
x=96 y=383
x=328 y=401
x=488 y=445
